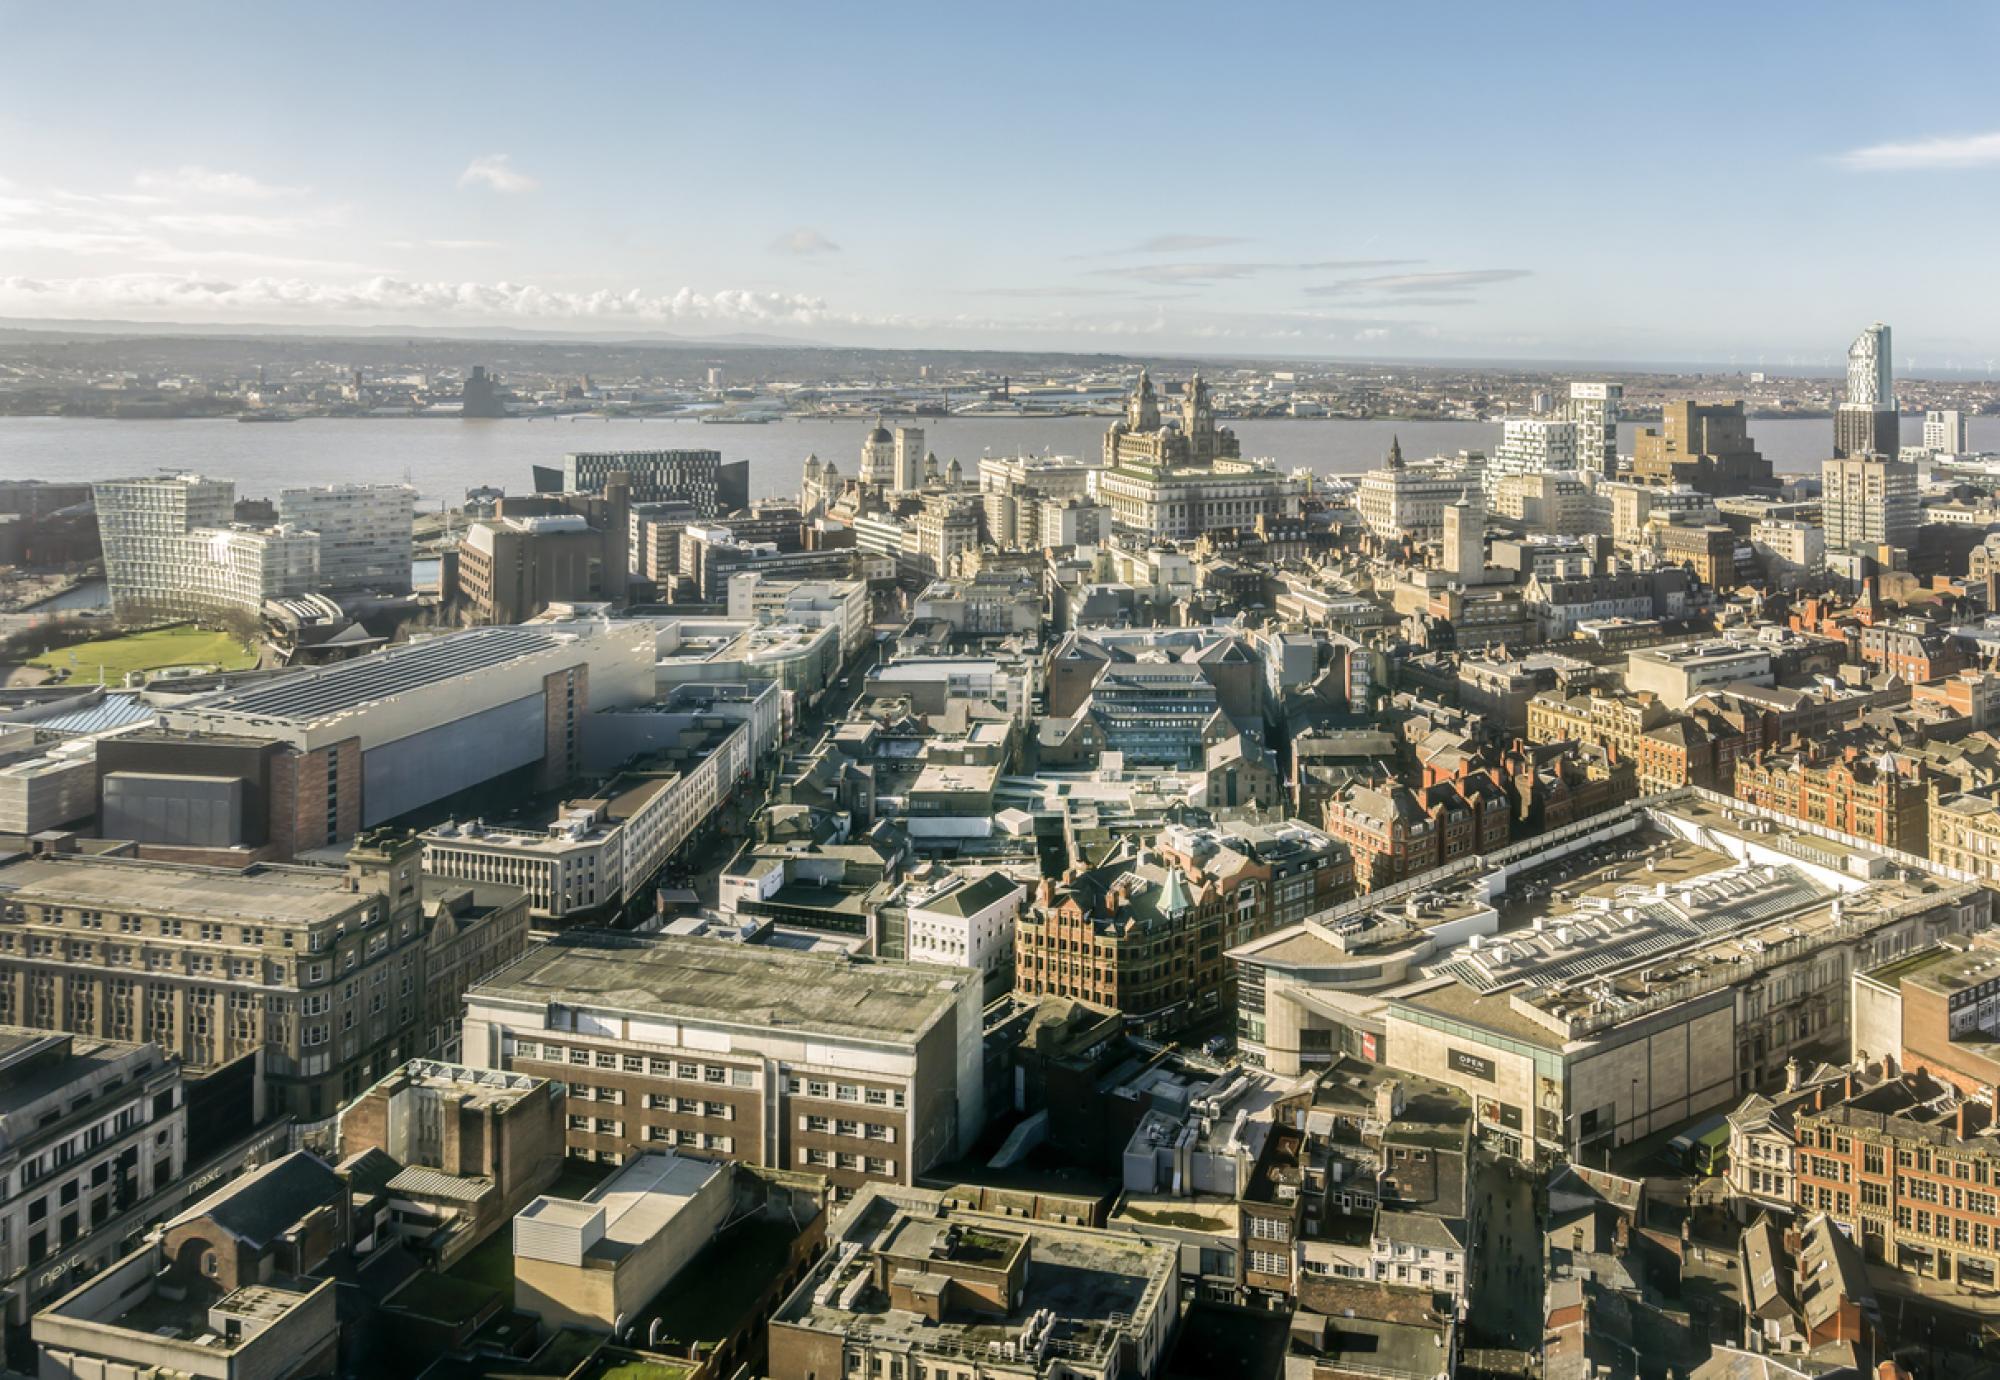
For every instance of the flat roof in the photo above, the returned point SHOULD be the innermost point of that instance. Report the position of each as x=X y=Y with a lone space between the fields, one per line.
x=1453 y=999
x=349 y=685
x=1940 y=969
x=1100 y=1286
x=717 y=981
x=256 y=895
x=638 y=1202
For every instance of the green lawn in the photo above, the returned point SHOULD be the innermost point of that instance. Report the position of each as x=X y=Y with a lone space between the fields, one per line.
x=490 y=1263
x=643 y=1370
x=181 y=645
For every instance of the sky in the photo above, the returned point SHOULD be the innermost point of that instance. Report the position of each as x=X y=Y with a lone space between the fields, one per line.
x=1739 y=184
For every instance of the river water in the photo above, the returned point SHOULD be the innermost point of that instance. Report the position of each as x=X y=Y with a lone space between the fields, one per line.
x=444 y=457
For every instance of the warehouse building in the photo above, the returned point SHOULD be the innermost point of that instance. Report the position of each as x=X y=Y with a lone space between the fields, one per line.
x=368 y=740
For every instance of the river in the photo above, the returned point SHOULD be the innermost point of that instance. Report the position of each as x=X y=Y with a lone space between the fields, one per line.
x=444 y=457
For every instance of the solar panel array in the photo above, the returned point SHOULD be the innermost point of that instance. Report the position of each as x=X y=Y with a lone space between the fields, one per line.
x=350 y=684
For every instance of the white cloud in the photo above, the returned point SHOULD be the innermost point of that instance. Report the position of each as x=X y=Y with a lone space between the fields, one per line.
x=1200 y=274
x=400 y=298
x=497 y=172
x=456 y=245
x=228 y=223
x=803 y=239
x=1960 y=151
x=194 y=180
x=1420 y=282
x=387 y=299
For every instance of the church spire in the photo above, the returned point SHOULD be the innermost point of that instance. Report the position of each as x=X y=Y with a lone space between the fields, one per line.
x=1395 y=452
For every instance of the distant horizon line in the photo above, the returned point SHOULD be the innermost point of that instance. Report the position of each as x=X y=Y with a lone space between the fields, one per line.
x=117 y=328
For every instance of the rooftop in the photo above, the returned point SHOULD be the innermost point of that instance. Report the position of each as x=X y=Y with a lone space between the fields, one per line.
x=716 y=981
x=350 y=685
x=480 y=1088
x=636 y=1204
x=1093 y=1286
x=260 y=894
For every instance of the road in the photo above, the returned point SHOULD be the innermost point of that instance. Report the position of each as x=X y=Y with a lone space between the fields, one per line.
x=1506 y=1258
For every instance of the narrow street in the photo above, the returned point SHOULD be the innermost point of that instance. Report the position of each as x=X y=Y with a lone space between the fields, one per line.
x=1506 y=1258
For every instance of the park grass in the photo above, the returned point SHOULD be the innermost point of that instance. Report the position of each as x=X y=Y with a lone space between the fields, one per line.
x=184 y=644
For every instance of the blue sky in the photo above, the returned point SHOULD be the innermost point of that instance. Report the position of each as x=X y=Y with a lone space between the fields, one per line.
x=1616 y=182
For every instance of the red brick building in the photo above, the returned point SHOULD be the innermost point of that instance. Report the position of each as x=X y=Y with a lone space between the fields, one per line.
x=1396 y=833
x=1903 y=1163
x=1883 y=799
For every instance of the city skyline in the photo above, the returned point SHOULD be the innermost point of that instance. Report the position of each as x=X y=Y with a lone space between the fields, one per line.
x=1332 y=191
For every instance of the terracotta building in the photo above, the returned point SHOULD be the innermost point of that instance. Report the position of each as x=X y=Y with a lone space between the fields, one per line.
x=1909 y=1168
x=1883 y=799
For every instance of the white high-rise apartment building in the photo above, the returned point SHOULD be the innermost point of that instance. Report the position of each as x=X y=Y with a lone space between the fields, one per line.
x=172 y=550
x=1531 y=445
x=1946 y=433
x=365 y=532
x=1869 y=500
x=1866 y=422
x=1869 y=382
x=1593 y=407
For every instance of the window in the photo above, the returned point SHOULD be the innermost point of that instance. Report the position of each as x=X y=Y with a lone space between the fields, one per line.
x=1272 y=1263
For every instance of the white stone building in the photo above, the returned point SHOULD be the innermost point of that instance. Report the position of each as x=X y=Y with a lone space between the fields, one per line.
x=365 y=532
x=967 y=922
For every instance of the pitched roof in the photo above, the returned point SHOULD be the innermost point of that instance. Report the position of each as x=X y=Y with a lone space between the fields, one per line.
x=270 y=1202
